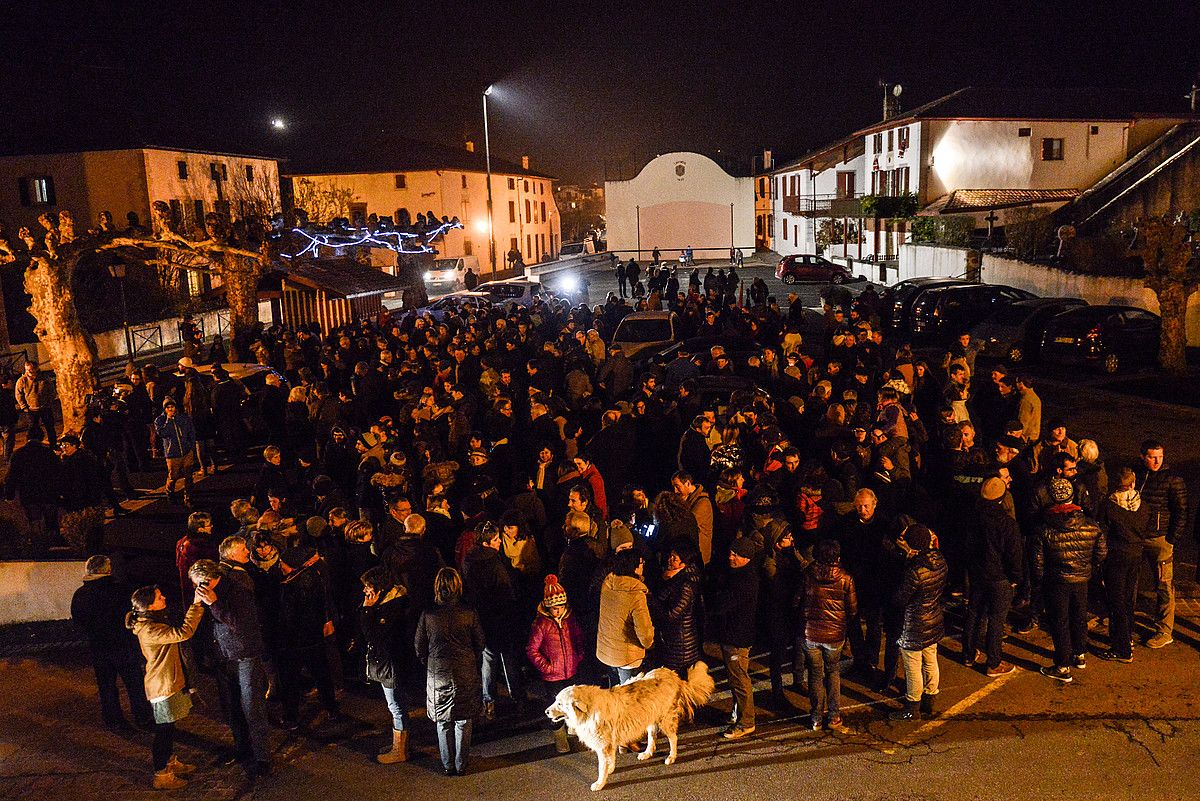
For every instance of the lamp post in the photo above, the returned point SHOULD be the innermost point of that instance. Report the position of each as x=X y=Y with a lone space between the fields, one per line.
x=117 y=271
x=487 y=155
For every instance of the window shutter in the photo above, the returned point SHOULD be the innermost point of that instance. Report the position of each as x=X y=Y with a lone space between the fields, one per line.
x=23 y=189
x=51 y=198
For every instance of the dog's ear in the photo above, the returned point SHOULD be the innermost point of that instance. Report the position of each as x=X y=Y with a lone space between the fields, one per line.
x=580 y=709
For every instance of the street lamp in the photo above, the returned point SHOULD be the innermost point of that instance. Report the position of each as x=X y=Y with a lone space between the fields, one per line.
x=487 y=155
x=117 y=271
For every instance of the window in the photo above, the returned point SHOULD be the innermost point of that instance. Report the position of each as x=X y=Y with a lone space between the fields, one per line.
x=845 y=184
x=1095 y=130
x=528 y=243
x=467 y=249
x=543 y=211
x=890 y=135
x=512 y=243
x=1052 y=150
x=758 y=223
x=902 y=138
x=877 y=143
x=401 y=182
x=218 y=172
x=182 y=167
x=1024 y=132
x=527 y=186
x=528 y=213
x=249 y=172
x=36 y=191
x=785 y=229
x=512 y=211
x=176 y=212
x=902 y=180
x=358 y=214
x=512 y=184
x=542 y=242
x=464 y=181
x=198 y=211
x=224 y=172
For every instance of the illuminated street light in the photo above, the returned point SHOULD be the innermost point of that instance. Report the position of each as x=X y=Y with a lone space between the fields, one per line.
x=278 y=124
x=487 y=151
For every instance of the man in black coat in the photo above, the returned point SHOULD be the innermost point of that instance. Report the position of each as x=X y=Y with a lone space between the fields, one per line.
x=84 y=489
x=694 y=455
x=34 y=476
x=736 y=610
x=1163 y=491
x=98 y=609
x=994 y=560
x=488 y=587
x=860 y=534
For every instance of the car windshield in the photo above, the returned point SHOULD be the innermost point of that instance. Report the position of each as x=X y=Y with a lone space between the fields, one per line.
x=571 y=249
x=1010 y=315
x=446 y=264
x=655 y=330
x=504 y=291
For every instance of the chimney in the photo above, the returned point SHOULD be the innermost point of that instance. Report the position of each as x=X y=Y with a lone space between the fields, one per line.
x=470 y=146
x=767 y=162
x=524 y=162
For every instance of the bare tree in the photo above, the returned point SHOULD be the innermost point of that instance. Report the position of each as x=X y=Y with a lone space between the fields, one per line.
x=1166 y=247
x=322 y=200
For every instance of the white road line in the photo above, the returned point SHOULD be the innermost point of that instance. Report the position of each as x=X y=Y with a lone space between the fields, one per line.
x=960 y=707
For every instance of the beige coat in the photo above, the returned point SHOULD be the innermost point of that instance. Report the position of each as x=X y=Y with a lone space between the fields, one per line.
x=160 y=646
x=625 y=630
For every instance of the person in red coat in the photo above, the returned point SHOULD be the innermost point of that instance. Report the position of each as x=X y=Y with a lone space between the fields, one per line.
x=555 y=647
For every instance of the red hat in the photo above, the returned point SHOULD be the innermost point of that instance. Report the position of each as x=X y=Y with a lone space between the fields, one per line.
x=554 y=594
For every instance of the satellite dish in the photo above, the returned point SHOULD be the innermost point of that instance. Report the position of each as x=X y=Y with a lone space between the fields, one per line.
x=896 y=90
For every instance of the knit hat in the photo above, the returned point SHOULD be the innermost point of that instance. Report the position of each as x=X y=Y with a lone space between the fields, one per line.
x=745 y=547
x=1061 y=490
x=993 y=489
x=398 y=459
x=96 y=567
x=619 y=535
x=554 y=594
x=316 y=526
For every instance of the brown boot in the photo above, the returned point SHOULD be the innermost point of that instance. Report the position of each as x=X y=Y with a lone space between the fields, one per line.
x=180 y=768
x=561 y=744
x=398 y=752
x=166 y=780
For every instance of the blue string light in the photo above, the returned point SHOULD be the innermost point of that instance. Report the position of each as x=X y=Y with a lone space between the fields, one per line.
x=343 y=239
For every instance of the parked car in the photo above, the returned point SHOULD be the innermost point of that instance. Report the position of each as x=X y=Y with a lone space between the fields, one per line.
x=726 y=392
x=1111 y=337
x=1014 y=332
x=903 y=295
x=515 y=292
x=809 y=267
x=448 y=274
x=646 y=333
x=738 y=348
x=942 y=313
x=454 y=302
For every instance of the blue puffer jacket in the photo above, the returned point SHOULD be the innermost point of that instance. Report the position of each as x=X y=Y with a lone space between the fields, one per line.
x=177 y=435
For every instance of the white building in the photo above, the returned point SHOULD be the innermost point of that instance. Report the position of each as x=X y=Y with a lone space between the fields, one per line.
x=385 y=176
x=680 y=200
x=976 y=151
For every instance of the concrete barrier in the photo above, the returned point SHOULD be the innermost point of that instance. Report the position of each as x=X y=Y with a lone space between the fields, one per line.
x=36 y=591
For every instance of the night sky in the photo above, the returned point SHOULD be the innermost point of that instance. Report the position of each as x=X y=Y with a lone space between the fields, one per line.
x=583 y=90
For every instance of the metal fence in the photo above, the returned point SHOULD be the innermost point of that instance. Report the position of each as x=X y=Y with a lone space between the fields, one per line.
x=147 y=338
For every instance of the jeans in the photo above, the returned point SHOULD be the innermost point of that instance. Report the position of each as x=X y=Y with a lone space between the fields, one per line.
x=395 y=703
x=988 y=606
x=737 y=665
x=824 y=677
x=314 y=660
x=1160 y=554
x=454 y=750
x=42 y=420
x=128 y=667
x=506 y=663
x=618 y=675
x=921 y=672
x=1120 y=587
x=1066 y=612
x=164 y=743
x=242 y=685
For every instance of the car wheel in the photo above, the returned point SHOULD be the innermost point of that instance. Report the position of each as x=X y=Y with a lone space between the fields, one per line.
x=1015 y=354
x=839 y=278
x=789 y=279
x=1111 y=363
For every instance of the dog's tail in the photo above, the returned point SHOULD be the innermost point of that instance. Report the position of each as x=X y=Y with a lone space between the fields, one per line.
x=697 y=689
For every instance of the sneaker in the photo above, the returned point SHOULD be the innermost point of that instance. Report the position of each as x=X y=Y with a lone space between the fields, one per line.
x=1160 y=641
x=835 y=722
x=489 y=710
x=738 y=732
x=1113 y=656
x=1002 y=669
x=1025 y=627
x=1081 y=661
x=1062 y=674
x=814 y=722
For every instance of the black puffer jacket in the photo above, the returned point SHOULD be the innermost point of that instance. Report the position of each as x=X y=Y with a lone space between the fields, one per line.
x=1067 y=546
x=920 y=596
x=384 y=631
x=828 y=601
x=676 y=612
x=737 y=607
x=994 y=545
x=1165 y=496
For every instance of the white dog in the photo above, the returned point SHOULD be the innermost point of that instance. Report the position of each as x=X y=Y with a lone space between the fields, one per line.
x=607 y=719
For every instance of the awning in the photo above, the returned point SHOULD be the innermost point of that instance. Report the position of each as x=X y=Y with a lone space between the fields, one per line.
x=965 y=201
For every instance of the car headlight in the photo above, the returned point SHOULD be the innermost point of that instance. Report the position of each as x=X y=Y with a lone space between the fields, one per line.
x=569 y=284
x=428 y=276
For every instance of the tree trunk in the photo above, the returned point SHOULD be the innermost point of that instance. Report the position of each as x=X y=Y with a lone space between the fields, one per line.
x=72 y=351
x=411 y=270
x=1172 y=304
x=240 y=276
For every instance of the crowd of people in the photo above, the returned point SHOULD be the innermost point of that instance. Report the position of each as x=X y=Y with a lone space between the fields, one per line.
x=470 y=508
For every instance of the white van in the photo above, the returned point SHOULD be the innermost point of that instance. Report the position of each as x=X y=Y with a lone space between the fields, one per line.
x=446 y=275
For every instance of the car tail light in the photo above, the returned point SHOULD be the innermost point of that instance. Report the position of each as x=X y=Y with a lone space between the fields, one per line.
x=1094 y=334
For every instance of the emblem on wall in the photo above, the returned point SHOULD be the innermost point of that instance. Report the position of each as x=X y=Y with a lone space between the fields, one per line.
x=680 y=169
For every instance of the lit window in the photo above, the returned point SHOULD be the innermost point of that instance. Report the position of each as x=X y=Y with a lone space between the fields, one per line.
x=36 y=191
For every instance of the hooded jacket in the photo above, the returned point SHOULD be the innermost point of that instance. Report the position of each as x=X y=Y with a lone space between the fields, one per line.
x=1126 y=520
x=828 y=601
x=625 y=630
x=555 y=646
x=920 y=596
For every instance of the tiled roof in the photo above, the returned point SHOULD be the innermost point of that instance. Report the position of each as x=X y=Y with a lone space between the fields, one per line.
x=1048 y=103
x=345 y=278
x=962 y=201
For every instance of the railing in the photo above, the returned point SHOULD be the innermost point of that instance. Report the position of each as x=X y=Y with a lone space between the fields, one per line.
x=147 y=338
x=830 y=205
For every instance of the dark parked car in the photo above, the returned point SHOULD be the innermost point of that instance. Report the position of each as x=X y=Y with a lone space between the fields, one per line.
x=901 y=297
x=1109 y=336
x=1014 y=332
x=943 y=313
x=807 y=267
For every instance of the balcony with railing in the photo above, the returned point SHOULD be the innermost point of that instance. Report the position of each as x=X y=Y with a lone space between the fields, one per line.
x=837 y=204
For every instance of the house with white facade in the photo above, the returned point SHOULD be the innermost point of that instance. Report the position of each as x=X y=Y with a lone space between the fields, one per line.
x=677 y=201
x=977 y=152
x=382 y=176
